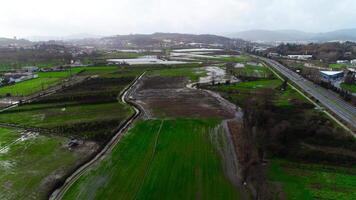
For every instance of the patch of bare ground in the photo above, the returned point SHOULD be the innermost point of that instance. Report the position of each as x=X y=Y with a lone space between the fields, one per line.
x=169 y=97
x=84 y=151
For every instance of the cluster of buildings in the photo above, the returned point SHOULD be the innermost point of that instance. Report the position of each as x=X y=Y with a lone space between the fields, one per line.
x=352 y=62
x=26 y=73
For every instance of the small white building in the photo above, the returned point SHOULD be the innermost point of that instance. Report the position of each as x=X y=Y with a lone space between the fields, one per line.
x=353 y=61
x=300 y=57
x=30 y=69
x=332 y=75
x=19 y=77
x=342 y=61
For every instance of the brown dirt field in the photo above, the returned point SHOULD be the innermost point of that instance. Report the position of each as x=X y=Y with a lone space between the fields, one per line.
x=169 y=97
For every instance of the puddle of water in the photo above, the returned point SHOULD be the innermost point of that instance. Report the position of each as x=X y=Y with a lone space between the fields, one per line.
x=145 y=60
x=196 y=50
x=218 y=75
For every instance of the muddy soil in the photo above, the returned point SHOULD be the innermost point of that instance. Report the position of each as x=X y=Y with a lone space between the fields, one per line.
x=169 y=97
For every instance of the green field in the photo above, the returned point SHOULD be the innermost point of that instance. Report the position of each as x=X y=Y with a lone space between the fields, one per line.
x=243 y=91
x=236 y=59
x=349 y=87
x=52 y=115
x=253 y=71
x=88 y=110
x=44 y=81
x=189 y=72
x=312 y=181
x=28 y=165
x=337 y=66
x=252 y=85
x=170 y=159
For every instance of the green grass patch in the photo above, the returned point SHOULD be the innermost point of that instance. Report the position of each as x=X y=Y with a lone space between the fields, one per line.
x=236 y=59
x=44 y=81
x=252 y=85
x=242 y=91
x=337 y=66
x=313 y=181
x=192 y=73
x=175 y=161
x=252 y=71
x=52 y=115
x=349 y=87
x=26 y=164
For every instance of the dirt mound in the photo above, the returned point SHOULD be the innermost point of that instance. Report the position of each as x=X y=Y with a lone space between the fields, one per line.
x=169 y=97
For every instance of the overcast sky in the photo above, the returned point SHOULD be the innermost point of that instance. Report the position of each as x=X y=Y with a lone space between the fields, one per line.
x=25 y=18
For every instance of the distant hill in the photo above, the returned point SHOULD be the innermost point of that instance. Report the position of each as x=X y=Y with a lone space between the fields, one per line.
x=156 y=40
x=64 y=38
x=5 y=42
x=338 y=35
x=295 y=36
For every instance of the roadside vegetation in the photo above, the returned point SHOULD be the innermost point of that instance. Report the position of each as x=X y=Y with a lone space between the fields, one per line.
x=283 y=128
x=349 y=87
x=337 y=66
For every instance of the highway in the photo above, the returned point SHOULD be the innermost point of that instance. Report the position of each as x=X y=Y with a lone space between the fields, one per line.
x=329 y=99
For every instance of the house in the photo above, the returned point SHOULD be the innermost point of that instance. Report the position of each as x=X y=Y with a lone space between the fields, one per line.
x=332 y=75
x=353 y=61
x=30 y=69
x=342 y=61
x=300 y=57
x=273 y=55
x=19 y=77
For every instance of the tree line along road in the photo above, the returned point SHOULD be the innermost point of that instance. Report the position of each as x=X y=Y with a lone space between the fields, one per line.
x=329 y=99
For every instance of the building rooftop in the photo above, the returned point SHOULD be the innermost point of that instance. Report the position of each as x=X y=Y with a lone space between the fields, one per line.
x=331 y=73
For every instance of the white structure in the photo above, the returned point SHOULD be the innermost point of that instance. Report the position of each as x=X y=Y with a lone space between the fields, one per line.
x=332 y=75
x=19 y=77
x=300 y=57
x=342 y=61
x=353 y=61
x=30 y=69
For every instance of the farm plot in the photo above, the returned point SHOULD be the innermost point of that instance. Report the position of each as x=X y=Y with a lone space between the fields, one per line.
x=241 y=92
x=252 y=71
x=89 y=110
x=159 y=159
x=312 y=181
x=31 y=163
x=168 y=97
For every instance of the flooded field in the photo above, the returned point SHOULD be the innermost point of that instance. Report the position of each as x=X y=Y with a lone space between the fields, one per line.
x=217 y=75
x=152 y=60
x=197 y=50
